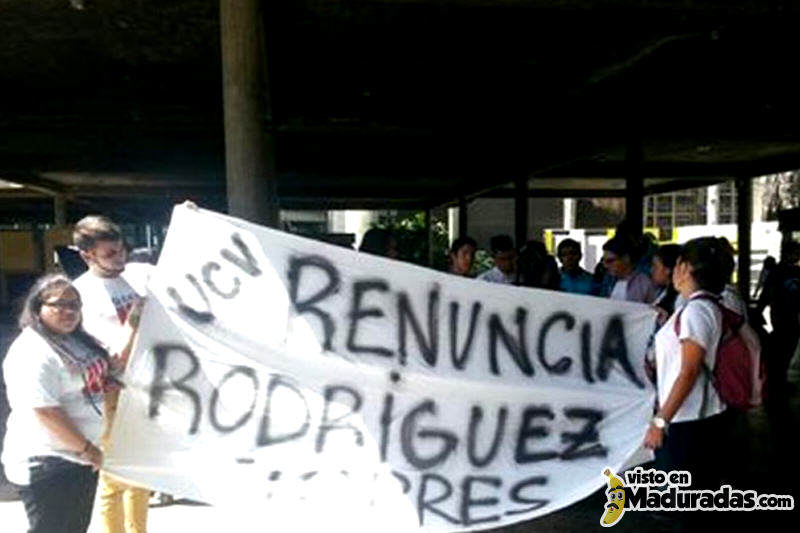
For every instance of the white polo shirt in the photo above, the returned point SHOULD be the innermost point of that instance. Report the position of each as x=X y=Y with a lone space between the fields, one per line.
x=701 y=322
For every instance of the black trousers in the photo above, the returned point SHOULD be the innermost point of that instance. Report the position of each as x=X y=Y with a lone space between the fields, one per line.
x=707 y=449
x=782 y=345
x=703 y=447
x=60 y=496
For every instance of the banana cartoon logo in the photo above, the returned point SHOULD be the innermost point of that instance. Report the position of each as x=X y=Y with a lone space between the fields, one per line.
x=615 y=507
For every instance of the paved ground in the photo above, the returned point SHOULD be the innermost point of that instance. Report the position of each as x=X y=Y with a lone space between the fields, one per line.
x=172 y=518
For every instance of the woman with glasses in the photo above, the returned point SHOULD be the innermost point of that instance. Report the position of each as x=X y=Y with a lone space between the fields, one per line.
x=56 y=375
x=619 y=258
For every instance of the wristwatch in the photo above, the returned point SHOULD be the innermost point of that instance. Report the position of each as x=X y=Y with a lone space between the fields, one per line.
x=659 y=422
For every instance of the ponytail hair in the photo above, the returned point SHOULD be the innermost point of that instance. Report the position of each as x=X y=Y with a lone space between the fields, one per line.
x=709 y=261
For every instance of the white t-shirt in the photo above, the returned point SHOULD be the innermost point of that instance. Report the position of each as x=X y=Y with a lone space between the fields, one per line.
x=107 y=302
x=701 y=321
x=495 y=275
x=35 y=377
x=620 y=290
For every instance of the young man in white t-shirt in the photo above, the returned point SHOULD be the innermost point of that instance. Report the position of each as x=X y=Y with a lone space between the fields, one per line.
x=504 y=270
x=110 y=291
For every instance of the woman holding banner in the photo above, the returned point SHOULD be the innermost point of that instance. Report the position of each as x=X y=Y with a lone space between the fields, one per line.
x=56 y=375
x=691 y=416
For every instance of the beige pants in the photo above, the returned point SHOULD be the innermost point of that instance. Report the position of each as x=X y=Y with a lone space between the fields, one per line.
x=123 y=508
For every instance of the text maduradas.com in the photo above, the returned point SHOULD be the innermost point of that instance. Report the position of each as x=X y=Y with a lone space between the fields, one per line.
x=648 y=493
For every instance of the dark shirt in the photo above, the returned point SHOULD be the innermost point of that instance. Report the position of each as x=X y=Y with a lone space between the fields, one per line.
x=579 y=283
x=782 y=290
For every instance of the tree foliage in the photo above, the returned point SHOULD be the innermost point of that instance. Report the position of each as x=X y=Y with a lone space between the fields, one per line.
x=412 y=237
x=781 y=191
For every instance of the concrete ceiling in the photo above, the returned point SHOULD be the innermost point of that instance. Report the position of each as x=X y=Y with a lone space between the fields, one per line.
x=395 y=103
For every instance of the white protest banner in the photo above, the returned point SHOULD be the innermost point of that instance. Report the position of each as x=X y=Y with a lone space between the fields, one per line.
x=312 y=386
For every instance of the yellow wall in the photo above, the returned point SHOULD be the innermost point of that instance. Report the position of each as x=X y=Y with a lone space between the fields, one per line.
x=18 y=252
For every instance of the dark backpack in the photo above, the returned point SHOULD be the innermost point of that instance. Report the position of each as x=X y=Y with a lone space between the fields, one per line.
x=738 y=375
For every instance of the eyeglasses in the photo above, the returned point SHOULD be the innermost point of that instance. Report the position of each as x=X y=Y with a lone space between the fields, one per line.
x=62 y=305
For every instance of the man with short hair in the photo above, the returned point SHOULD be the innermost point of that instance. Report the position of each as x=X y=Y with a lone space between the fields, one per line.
x=574 y=279
x=110 y=291
x=505 y=261
x=620 y=262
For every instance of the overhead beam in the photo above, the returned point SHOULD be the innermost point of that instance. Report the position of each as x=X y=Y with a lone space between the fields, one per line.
x=682 y=185
x=656 y=169
x=634 y=187
x=313 y=204
x=36 y=183
x=557 y=193
x=130 y=179
x=521 y=212
x=463 y=217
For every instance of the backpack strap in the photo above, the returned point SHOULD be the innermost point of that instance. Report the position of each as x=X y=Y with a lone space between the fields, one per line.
x=707 y=374
x=704 y=401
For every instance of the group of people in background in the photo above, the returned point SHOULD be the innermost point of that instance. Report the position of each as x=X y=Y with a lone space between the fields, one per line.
x=623 y=274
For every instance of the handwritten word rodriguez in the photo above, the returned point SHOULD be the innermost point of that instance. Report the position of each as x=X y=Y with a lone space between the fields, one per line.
x=518 y=429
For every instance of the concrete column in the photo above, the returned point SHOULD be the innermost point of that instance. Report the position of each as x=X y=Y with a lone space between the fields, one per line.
x=634 y=187
x=744 y=222
x=3 y=288
x=570 y=213
x=429 y=237
x=4 y=300
x=712 y=205
x=758 y=194
x=452 y=224
x=59 y=210
x=463 y=219
x=521 y=211
x=252 y=180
